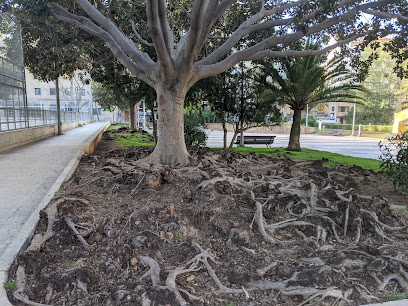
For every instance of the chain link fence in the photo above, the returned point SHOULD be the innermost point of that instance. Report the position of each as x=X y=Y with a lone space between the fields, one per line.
x=14 y=113
x=13 y=102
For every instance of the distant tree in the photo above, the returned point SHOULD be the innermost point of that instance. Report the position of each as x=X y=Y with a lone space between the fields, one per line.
x=382 y=82
x=402 y=93
x=51 y=50
x=303 y=81
x=217 y=91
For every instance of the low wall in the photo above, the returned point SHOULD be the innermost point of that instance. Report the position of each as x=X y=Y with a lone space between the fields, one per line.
x=283 y=129
x=17 y=138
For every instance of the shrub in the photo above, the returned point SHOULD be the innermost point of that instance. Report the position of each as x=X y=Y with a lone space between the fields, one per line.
x=394 y=160
x=194 y=134
x=311 y=122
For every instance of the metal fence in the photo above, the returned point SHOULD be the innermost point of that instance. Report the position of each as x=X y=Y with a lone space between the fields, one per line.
x=14 y=112
x=18 y=118
x=13 y=101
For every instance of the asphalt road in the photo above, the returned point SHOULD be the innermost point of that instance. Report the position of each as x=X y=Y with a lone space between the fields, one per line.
x=353 y=146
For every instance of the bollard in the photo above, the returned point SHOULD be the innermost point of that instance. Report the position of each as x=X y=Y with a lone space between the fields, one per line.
x=320 y=126
x=324 y=128
x=359 y=130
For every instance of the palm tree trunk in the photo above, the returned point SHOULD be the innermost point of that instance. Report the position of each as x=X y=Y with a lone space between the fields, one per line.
x=294 y=142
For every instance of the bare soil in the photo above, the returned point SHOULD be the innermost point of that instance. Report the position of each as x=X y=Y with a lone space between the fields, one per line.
x=229 y=229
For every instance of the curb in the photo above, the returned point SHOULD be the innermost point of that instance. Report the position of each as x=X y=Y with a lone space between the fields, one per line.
x=27 y=231
x=89 y=144
x=392 y=303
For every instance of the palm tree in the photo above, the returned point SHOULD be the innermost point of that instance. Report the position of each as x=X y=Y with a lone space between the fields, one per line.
x=303 y=81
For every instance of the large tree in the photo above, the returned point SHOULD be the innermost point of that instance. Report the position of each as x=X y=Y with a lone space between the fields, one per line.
x=181 y=60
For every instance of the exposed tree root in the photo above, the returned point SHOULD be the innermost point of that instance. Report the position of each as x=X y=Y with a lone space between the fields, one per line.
x=21 y=284
x=77 y=234
x=316 y=239
x=38 y=241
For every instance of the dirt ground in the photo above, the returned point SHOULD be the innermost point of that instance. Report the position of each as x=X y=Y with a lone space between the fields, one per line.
x=229 y=229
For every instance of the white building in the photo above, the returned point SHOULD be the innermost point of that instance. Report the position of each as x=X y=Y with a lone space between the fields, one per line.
x=74 y=94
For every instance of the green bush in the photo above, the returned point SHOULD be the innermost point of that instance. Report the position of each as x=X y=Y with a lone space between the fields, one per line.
x=394 y=160
x=333 y=126
x=194 y=134
x=311 y=122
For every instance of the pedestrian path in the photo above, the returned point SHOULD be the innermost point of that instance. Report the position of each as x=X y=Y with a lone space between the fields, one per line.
x=28 y=172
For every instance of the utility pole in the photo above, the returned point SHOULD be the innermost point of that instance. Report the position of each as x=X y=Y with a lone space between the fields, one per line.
x=144 y=115
x=90 y=98
x=57 y=93
x=354 y=119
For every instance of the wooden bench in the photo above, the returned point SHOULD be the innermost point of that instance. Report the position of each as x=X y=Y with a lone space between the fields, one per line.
x=267 y=140
x=336 y=132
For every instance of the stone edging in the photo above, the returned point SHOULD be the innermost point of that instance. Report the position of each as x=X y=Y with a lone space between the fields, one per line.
x=27 y=231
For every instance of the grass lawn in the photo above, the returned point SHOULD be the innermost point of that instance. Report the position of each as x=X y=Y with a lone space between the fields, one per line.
x=308 y=154
x=116 y=126
x=133 y=140
x=142 y=140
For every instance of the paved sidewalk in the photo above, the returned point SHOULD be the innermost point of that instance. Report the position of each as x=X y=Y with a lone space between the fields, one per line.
x=29 y=177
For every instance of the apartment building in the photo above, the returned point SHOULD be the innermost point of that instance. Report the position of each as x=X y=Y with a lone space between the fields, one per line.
x=332 y=112
x=74 y=93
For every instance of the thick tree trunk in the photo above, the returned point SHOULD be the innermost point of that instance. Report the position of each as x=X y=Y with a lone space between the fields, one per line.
x=154 y=125
x=171 y=147
x=132 y=117
x=224 y=128
x=294 y=142
x=236 y=131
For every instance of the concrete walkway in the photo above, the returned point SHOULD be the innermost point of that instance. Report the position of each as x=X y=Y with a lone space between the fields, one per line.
x=29 y=177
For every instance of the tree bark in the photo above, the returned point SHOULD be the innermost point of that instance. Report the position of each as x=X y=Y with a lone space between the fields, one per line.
x=171 y=147
x=294 y=142
x=236 y=131
x=224 y=128
x=154 y=125
x=132 y=117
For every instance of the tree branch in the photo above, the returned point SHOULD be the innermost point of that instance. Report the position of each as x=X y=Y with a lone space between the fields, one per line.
x=245 y=29
x=208 y=22
x=139 y=37
x=189 y=54
x=309 y=52
x=165 y=27
x=120 y=38
x=157 y=35
x=85 y=24
x=203 y=70
x=385 y=15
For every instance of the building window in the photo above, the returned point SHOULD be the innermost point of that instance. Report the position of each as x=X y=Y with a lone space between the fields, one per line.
x=37 y=91
x=68 y=91
x=344 y=109
x=83 y=92
x=333 y=108
x=52 y=92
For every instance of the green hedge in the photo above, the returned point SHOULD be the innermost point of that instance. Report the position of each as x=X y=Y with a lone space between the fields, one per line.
x=364 y=128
